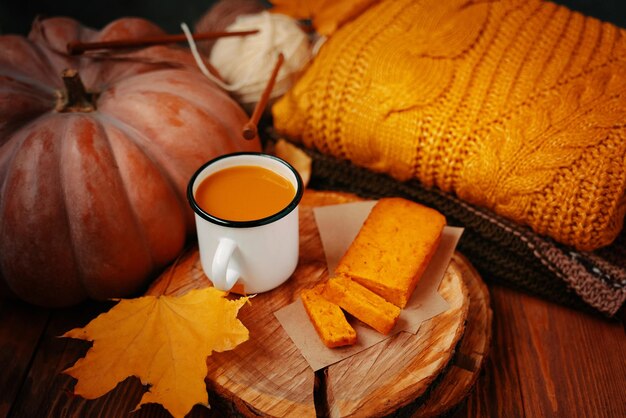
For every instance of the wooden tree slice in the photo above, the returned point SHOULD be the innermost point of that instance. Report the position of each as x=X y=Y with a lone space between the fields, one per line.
x=267 y=375
x=399 y=370
x=471 y=352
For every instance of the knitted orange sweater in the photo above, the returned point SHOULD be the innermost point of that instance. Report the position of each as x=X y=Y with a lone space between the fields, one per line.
x=518 y=106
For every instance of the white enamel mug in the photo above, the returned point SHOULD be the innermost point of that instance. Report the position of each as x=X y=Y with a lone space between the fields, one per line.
x=259 y=255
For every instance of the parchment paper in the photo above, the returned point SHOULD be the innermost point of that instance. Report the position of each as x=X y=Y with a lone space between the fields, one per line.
x=338 y=225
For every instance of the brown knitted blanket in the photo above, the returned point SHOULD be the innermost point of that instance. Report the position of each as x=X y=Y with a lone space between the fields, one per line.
x=501 y=250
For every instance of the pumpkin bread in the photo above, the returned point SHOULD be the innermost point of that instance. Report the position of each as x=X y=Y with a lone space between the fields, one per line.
x=362 y=303
x=393 y=248
x=327 y=318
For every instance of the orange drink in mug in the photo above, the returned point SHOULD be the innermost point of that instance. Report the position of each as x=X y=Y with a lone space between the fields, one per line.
x=246 y=212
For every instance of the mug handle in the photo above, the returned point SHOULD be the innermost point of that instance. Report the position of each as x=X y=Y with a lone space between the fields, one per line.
x=224 y=278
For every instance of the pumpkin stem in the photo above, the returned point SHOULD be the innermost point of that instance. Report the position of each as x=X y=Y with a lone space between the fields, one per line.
x=74 y=98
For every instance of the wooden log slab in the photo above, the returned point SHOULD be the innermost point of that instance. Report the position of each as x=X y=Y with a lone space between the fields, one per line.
x=267 y=375
x=471 y=352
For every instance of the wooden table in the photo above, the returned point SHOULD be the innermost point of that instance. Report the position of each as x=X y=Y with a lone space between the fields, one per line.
x=546 y=360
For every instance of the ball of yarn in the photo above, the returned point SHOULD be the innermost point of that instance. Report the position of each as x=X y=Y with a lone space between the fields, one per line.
x=222 y=14
x=246 y=63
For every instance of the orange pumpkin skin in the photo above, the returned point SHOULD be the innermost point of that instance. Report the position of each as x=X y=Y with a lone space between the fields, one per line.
x=92 y=204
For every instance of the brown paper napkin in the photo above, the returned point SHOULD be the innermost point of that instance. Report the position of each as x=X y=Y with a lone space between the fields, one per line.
x=338 y=225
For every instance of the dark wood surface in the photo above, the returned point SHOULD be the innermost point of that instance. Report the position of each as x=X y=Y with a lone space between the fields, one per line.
x=545 y=360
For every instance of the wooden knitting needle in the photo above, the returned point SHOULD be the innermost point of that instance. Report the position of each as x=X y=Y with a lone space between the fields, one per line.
x=250 y=128
x=76 y=47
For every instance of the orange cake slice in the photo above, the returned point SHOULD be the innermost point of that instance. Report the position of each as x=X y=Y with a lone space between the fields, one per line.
x=362 y=303
x=327 y=318
x=393 y=248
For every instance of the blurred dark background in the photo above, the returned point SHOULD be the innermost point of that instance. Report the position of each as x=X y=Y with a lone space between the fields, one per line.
x=16 y=15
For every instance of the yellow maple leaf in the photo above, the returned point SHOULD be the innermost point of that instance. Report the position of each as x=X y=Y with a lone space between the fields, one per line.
x=326 y=15
x=164 y=341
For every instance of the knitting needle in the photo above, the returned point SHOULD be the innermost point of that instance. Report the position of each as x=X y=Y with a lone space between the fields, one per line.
x=250 y=128
x=77 y=47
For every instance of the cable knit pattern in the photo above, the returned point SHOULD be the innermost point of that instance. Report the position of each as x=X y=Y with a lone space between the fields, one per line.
x=518 y=106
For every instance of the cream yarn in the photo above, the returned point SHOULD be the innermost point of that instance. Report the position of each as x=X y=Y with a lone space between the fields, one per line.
x=246 y=63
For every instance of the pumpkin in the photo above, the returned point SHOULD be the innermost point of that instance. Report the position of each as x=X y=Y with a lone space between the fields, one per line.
x=93 y=173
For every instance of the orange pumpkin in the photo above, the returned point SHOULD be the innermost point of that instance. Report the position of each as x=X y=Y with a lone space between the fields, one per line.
x=92 y=183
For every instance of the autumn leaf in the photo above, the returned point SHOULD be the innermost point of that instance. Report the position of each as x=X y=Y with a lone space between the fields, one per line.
x=298 y=9
x=293 y=155
x=163 y=340
x=326 y=15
